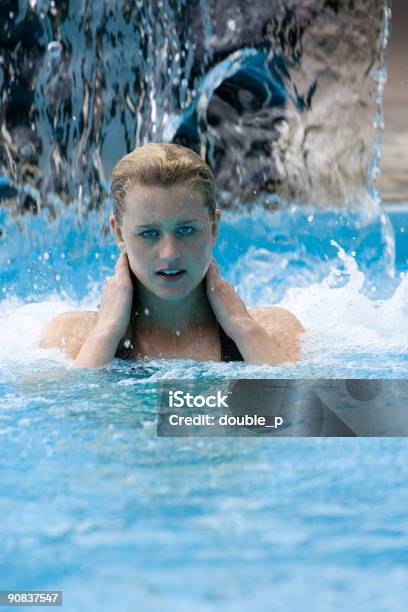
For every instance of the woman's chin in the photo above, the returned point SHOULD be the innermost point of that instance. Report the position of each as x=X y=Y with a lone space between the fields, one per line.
x=173 y=291
x=173 y=294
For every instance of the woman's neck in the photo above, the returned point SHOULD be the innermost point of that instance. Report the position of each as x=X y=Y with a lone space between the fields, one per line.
x=173 y=317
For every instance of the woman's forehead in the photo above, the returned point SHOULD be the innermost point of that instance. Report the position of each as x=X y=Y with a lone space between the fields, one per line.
x=157 y=203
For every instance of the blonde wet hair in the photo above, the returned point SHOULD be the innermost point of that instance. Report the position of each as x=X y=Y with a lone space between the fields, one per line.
x=161 y=165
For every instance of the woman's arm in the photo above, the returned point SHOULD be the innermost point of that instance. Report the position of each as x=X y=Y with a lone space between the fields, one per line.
x=113 y=319
x=268 y=335
x=99 y=348
x=271 y=335
x=83 y=340
x=92 y=338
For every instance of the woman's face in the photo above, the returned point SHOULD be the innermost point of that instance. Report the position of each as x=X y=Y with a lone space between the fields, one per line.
x=167 y=229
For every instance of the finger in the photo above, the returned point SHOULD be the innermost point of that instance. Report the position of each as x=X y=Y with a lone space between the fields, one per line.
x=122 y=260
x=210 y=272
x=214 y=264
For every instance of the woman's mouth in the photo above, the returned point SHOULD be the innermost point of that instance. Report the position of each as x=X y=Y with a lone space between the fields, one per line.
x=171 y=275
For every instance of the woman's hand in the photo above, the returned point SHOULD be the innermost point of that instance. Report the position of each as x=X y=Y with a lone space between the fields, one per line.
x=228 y=307
x=273 y=346
x=116 y=304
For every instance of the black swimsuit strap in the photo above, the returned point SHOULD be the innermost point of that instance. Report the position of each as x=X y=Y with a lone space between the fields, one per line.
x=229 y=350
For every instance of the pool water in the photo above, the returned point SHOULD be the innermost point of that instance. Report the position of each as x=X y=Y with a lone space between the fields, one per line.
x=95 y=504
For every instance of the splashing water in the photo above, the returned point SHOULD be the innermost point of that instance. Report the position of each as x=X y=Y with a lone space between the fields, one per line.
x=282 y=98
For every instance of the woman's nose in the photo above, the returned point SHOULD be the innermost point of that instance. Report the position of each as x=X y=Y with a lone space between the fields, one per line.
x=169 y=247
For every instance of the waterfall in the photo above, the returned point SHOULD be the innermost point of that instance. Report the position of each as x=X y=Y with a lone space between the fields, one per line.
x=280 y=97
x=283 y=100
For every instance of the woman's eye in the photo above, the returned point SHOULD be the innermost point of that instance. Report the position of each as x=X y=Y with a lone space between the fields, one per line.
x=149 y=234
x=186 y=230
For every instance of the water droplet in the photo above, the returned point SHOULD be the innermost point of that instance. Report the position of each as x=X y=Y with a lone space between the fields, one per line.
x=54 y=49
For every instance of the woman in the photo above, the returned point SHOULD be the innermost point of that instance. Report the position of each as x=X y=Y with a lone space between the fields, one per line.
x=166 y=297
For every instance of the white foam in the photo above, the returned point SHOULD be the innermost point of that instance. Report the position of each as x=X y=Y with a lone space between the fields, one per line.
x=21 y=327
x=342 y=318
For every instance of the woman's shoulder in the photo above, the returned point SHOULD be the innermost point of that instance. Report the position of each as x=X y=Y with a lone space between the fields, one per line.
x=275 y=316
x=285 y=328
x=75 y=320
x=69 y=330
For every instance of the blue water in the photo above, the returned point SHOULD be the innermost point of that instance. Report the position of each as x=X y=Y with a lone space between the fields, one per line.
x=98 y=506
x=95 y=504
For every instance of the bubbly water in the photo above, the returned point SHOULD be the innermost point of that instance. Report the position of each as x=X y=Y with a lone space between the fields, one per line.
x=92 y=501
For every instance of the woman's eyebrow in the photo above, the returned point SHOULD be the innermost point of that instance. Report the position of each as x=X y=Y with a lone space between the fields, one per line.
x=181 y=222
